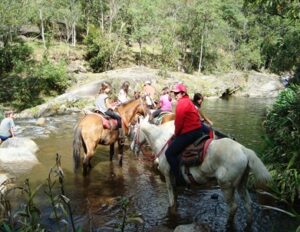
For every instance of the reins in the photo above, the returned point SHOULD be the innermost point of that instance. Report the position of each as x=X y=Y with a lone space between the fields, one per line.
x=136 y=142
x=126 y=123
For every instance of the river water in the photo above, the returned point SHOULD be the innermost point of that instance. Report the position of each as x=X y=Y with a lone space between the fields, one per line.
x=94 y=199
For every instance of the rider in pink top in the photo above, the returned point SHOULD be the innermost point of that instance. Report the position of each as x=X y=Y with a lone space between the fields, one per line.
x=165 y=103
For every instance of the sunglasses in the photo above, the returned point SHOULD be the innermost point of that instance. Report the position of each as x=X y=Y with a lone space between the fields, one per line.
x=176 y=93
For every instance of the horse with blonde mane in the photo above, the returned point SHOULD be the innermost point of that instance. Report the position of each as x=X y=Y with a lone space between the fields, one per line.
x=227 y=161
x=94 y=129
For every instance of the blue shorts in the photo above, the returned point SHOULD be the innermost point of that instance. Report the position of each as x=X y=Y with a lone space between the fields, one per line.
x=3 y=138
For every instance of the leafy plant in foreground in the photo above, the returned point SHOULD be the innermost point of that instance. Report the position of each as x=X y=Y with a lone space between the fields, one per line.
x=282 y=126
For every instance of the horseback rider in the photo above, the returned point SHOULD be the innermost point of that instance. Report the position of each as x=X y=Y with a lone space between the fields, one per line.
x=165 y=103
x=206 y=122
x=106 y=106
x=149 y=91
x=198 y=100
x=123 y=93
x=187 y=129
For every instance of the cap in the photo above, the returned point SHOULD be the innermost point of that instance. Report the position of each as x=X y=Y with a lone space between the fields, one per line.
x=179 y=88
x=148 y=82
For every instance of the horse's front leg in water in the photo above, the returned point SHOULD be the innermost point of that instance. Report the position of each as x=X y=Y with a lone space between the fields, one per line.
x=120 y=152
x=111 y=151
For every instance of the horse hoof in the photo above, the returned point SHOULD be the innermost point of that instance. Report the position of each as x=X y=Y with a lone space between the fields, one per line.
x=120 y=157
x=248 y=228
x=214 y=196
x=172 y=210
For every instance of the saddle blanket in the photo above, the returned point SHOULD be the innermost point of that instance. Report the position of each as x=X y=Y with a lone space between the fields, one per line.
x=195 y=153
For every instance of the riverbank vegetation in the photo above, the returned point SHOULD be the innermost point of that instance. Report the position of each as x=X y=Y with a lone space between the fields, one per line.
x=282 y=126
x=214 y=36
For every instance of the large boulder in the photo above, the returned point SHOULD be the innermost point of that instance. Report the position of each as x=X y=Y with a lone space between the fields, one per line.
x=192 y=228
x=17 y=155
x=21 y=142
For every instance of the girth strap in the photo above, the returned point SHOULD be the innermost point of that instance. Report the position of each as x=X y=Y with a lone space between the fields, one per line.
x=189 y=175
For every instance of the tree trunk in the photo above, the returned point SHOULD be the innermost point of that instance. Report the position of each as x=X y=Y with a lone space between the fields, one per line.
x=42 y=28
x=120 y=38
x=102 y=17
x=201 y=53
x=201 y=48
x=74 y=34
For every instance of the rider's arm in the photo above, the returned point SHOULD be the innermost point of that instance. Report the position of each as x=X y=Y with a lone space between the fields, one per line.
x=206 y=119
x=109 y=104
x=12 y=128
x=179 y=119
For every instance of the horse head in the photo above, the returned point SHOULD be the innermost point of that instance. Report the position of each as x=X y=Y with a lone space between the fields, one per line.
x=139 y=138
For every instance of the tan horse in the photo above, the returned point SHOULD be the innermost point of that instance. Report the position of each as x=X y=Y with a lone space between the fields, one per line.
x=167 y=118
x=93 y=129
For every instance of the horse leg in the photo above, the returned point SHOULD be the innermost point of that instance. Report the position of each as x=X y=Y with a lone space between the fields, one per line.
x=120 y=151
x=90 y=151
x=111 y=151
x=229 y=199
x=244 y=194
x=85 y=164
x=172 y=197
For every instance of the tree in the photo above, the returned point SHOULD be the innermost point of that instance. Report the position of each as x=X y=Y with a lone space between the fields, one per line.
x=13 y=15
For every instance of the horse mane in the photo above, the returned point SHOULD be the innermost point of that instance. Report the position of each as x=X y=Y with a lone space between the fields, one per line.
x=126 y=103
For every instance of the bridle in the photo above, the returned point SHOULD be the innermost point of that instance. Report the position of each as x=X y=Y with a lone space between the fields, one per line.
x=136 y=140
x=138 y=144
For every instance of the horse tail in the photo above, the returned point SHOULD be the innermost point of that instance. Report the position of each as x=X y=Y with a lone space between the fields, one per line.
x=77 y=144
x=257 y=167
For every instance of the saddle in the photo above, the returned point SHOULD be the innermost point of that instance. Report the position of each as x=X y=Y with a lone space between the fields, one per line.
x=108 y=122
x=195 y=153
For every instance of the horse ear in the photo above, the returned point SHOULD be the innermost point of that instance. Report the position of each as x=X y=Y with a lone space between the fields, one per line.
x=140 y=118
x=147 y=117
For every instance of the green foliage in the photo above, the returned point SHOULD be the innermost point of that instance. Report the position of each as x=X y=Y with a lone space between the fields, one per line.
x=52 y=78
x=27 y=216
x=99 y=50
x=46 y=79
x=282 y=125
x=285 y=183
x=248 y=56
x=14 y=57
x=24 y=83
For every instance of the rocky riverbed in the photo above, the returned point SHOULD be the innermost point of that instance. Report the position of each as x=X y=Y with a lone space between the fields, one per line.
x=81 y=94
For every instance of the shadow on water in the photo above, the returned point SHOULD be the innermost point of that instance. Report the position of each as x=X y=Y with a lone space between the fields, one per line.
x=95 y=198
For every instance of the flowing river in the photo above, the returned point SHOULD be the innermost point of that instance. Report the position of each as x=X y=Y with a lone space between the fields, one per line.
x=94 y=199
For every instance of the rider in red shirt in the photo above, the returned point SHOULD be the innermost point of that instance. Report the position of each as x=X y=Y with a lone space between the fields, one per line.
x=188 y=128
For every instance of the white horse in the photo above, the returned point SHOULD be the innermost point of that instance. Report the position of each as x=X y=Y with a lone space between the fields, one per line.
x=227 y=161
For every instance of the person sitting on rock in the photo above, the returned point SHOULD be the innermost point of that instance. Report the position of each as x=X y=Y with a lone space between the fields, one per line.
x=7 y=126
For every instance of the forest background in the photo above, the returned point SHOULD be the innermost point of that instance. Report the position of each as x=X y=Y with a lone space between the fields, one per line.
x=207 y=36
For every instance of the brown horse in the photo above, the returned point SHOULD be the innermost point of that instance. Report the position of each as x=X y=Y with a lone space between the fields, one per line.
x=93 y=129
x=167 y=118
x=163 y=118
